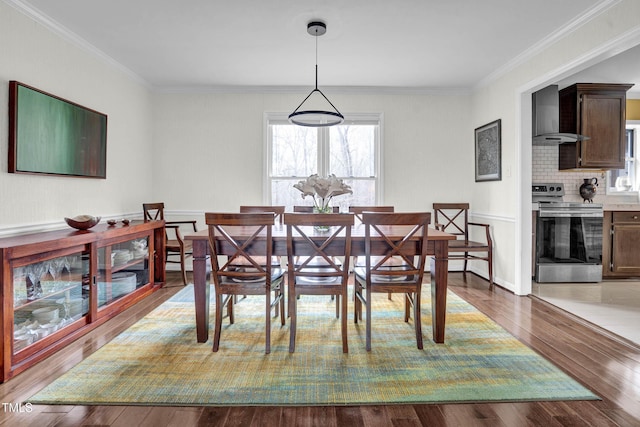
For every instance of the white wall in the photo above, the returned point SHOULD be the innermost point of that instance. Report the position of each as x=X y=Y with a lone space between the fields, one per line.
x=508 y=97
x=35 y=56
x=214 y=142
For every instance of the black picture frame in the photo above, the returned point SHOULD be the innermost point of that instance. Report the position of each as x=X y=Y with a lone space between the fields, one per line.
x=488 y=152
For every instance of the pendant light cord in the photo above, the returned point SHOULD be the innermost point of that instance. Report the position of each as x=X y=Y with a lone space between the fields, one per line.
x=316 y=36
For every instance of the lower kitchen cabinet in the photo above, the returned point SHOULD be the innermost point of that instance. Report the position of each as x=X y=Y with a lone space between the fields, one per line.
x=59 y=285
x=621 y=240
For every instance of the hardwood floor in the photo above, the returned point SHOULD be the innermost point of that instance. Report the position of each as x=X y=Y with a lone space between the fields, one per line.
x=607 y=366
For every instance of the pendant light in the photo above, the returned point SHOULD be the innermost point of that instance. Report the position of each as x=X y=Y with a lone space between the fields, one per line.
x=316 y=117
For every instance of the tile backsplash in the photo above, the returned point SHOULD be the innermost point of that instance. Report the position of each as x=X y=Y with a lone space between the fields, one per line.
x=545 y=169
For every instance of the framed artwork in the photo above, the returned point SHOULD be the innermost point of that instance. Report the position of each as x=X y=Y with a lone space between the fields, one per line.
x=50 y=135
x=488 y=152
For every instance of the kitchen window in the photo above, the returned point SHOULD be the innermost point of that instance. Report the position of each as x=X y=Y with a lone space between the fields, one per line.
x=351 y=151
x=620 y=181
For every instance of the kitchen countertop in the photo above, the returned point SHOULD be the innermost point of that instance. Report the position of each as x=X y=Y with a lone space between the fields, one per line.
x=611 y=207
x=621 y=207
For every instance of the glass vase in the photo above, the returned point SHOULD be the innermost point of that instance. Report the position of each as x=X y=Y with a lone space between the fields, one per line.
x=326 y=209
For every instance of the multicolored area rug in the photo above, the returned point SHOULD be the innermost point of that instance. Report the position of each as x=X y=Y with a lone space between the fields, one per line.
x=158 y=361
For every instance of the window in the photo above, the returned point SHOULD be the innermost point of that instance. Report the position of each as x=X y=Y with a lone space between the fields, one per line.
x=350 y=151
x=625 y=180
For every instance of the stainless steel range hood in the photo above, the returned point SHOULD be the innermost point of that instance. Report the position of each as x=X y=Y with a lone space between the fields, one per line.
x=546 y=119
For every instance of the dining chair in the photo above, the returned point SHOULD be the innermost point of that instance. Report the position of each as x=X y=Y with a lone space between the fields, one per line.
x=175 y=245
x=453 y=218
x=309 y=209
x=358 y=211
x=253 y=239
x=307 y=246
x=375 y=277
x=319 y=262
x=278 y=211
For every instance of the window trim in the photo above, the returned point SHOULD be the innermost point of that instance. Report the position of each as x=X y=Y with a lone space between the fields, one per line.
x=353 y=118
x=634 y=126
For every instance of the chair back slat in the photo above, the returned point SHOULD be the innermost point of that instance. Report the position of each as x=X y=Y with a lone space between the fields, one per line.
x=278 y=211
x=153 y=211
x=244 y=238
x=411 y=247
x=452 y=218
x=306 y=246
x=359 y=210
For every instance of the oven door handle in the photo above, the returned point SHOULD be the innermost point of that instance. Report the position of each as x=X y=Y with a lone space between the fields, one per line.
x=552 y=213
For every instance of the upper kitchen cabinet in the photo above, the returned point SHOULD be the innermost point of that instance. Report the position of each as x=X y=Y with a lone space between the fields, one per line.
x=596 y=110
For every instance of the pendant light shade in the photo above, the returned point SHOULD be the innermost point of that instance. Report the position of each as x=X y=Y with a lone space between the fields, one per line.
x=313 y=111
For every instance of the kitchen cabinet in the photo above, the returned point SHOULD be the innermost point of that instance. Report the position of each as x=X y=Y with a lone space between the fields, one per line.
x=621 y=240
x=595 y=110
x=59 y=285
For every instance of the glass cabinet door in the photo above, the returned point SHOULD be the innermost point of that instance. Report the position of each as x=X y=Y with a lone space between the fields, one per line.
x=48 y=295
x=122 y=268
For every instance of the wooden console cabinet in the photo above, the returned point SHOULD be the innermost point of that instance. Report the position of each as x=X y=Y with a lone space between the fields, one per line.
x=58 y=285
x=595 y=110
x=621 y=240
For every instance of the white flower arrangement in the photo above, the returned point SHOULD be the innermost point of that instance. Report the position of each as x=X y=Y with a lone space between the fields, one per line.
x=322 y=189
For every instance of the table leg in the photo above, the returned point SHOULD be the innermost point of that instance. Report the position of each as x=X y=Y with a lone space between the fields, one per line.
x=439 y=277
x=201 y=289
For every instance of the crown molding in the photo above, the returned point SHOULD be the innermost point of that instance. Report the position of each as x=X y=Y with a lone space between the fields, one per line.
x=363 y=90
x=68 y=35
x=546 y=42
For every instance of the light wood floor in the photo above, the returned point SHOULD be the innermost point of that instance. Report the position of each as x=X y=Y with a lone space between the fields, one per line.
x=611 y=304
x=607 y=366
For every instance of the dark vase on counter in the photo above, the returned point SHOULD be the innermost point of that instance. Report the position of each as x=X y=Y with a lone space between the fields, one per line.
x=588 y=189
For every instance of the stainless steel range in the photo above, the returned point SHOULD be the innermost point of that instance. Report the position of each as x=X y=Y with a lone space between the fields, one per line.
x=568 y=237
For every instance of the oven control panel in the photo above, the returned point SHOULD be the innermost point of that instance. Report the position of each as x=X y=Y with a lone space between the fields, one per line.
x=552 y=189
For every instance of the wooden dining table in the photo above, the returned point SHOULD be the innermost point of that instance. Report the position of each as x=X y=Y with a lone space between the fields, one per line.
x=437 y=250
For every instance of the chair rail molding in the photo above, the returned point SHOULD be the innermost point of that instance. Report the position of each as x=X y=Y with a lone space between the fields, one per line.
x=492 y=217
x=12 y=230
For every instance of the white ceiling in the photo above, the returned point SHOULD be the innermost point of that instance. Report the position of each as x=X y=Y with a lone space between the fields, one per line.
x=369 y=43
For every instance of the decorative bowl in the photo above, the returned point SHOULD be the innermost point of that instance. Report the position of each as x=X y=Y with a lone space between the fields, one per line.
x=82 y=222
